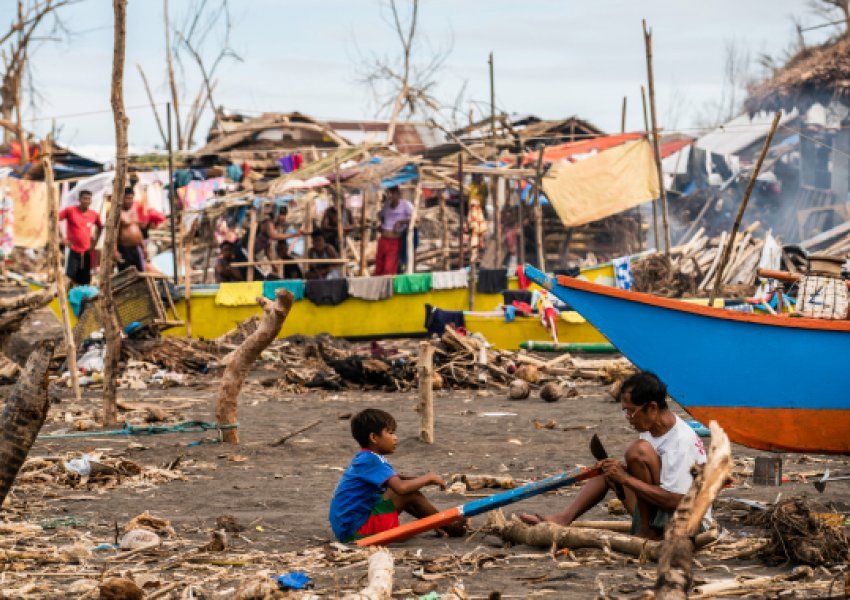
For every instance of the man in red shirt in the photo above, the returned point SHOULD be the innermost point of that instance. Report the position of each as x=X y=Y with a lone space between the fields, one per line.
x=78 y=238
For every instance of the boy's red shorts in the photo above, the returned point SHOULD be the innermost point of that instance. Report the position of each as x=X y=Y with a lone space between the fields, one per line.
x=383 y=517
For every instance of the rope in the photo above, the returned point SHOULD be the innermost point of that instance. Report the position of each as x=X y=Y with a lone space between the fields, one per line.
x=128 y=429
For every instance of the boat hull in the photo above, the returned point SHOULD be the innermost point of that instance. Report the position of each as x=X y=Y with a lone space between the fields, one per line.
x=773 y=383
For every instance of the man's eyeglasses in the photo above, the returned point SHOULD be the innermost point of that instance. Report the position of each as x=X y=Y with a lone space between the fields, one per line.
x=630 y=414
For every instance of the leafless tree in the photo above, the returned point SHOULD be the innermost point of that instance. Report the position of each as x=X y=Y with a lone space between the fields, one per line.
x=403 y=85
x=738 y=75
x=16 y=49
x=195 y=38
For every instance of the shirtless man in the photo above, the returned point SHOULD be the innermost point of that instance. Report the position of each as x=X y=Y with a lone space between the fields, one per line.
x=130 y=251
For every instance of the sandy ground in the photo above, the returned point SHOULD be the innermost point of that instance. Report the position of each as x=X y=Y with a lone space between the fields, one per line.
x=281 y=494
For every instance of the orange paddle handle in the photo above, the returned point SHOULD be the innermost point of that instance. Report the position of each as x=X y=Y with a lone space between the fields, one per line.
x=402 y=532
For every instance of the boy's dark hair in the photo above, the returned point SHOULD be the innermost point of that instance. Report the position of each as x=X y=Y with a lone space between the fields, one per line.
x=317 y=234
x=369 y=421
x=85 y=193
x=645 y=387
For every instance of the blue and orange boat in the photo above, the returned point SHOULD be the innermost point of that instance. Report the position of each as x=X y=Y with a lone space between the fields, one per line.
x=772 y=382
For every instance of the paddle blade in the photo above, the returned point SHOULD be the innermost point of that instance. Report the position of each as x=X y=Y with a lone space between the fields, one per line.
x=402 y=532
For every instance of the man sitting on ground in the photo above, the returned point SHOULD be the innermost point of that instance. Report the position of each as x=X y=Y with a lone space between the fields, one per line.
x=657 y=471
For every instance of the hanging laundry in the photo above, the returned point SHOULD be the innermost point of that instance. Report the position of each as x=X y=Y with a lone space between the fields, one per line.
x=194 y=195
x=234 y=173
x=297 y=161
x=326 y=292
x=286 y=163
x=511 y=296
x=371 y=288
x=296 y=286
x=7 y=225
x=77 y=295
x=243 y=293
x=29 y=206
x=492 y=281
x=450 y=280
x=438 y=319
x=414 y=283
x=623 y=278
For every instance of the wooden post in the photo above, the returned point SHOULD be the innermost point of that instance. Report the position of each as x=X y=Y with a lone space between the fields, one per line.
x=110 y=320
x=426 y=392
x=461 y=208
x=307 y=226
x=241 y=360
x=492 y=102
x=623 y=115
x=521 y=218
x=172 y=192
x=23 y=415
x=718 y=281
x=444 y=221
x=187 y=274
x=364 y=231
x=496 y=189
x=538 y=212
x=340 y=216
x=647 y=38
x=56 y=260
x=473 y=274
x=654 y=202
x=411 y=257
x=252 y=238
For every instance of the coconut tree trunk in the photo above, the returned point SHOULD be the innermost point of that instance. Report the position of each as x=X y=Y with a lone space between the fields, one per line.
x=239 y=362
x=24 y=414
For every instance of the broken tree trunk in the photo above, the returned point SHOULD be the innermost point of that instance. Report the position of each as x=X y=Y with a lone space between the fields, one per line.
x=380 y=586
x=24 y=414
x=110 y=321
x=426 y=392
x=676 y=560
x=241 y=360
x=547 y=535
x=56 y=260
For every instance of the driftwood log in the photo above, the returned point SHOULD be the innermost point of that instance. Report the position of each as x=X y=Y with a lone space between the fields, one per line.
x=676 y=561
x=240 y=360
x=380 y=586
x=24 y=414
x=14 y=310
x=547 y=535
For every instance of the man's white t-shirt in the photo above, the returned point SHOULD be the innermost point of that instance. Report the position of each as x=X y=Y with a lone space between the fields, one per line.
x=679 y=449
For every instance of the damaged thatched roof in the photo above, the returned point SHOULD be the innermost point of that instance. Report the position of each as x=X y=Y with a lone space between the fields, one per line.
x=819 y=74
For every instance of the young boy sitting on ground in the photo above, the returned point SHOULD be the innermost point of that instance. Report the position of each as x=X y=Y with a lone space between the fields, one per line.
x=370 y=495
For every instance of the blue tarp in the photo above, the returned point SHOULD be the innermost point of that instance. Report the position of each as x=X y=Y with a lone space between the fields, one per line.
x=407 y=174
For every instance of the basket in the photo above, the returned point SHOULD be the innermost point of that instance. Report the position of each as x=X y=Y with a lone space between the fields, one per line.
x=138 y=298
x=822 y=297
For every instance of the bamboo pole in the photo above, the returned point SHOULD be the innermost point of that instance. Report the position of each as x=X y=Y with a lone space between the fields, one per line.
x=444 y=221
x=623 y=115
x=110 y=320
x=521 y=218
x=56 y=260
x=461 y=208
x=252 y=238
x=647 y=38
x=492 y=102
x=187 y=274
x=340 y=207
x=411 y=258
x=654 y=202
x=538 y=212
x=171 y=192
x=496 y=186
x=426 y=392
x=718 y=280
x=364 y=232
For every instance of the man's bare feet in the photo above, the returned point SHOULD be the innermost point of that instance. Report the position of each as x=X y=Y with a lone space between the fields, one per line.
x=457 y=528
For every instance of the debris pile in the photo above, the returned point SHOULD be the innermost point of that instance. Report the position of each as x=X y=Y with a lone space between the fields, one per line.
x=93 y=470
x=691 y=268
x=798 y=535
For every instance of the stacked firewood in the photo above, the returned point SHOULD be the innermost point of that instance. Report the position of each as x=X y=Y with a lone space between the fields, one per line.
x=691 y=268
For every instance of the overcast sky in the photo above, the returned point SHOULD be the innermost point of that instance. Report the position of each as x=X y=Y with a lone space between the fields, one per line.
x=554 y=58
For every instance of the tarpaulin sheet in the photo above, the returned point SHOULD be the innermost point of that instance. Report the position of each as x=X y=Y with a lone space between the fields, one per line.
x=602 y=185
x=29 y=202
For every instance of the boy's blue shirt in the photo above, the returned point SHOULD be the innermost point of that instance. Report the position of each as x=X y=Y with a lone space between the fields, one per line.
x=360 y=488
